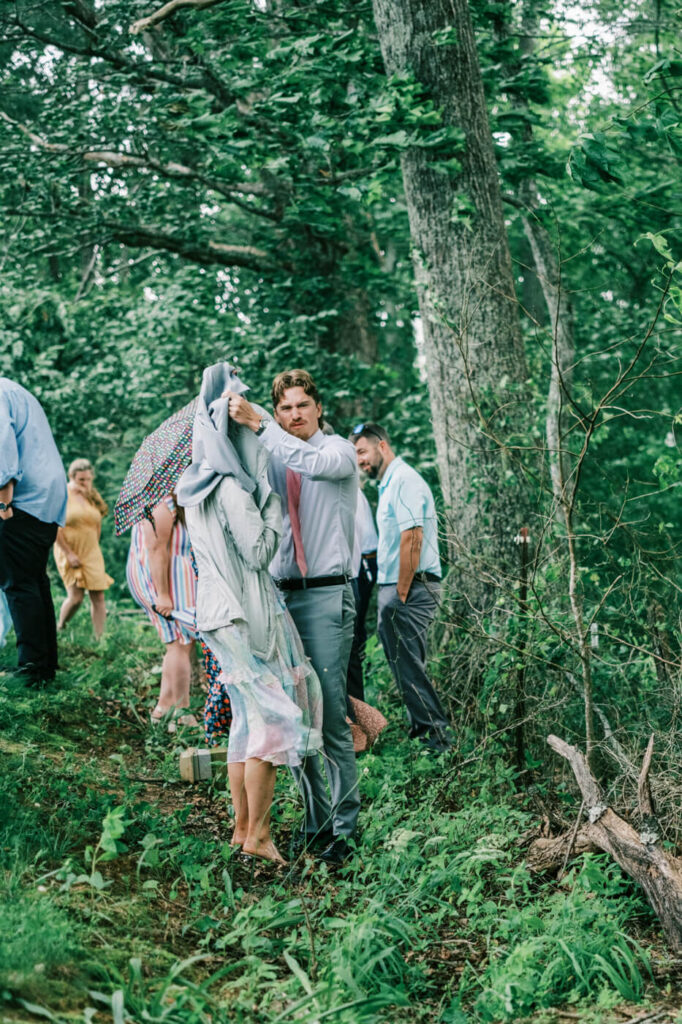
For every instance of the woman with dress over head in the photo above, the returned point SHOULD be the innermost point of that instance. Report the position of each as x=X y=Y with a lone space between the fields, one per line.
x=77 y=551
x=235 y=523
x=161 y=579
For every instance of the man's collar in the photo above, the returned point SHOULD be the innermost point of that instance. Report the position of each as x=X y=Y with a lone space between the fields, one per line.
x=383 y=483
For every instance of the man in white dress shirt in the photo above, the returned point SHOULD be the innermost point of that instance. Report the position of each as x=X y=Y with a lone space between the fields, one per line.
x=316 y=476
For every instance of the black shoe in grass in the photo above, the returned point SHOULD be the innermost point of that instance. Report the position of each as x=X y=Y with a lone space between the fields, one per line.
x=337 y=852
x=33 y=676
x=309 y=842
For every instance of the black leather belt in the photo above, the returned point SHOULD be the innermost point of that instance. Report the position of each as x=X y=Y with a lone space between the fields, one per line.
x=426 y=577
x=313 y=581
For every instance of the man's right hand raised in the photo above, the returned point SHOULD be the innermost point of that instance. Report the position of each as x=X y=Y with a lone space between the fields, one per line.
x=242 y=411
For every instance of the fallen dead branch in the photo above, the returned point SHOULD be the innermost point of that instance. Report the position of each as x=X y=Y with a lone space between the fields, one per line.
x=639 y=854
x=552 y=853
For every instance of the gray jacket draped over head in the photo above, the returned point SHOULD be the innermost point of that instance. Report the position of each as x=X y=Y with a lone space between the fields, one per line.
x=233 y=517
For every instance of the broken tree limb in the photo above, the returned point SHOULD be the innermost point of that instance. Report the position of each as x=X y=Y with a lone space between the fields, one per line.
x=552 y=854
x=583 y=776
x=638 y=854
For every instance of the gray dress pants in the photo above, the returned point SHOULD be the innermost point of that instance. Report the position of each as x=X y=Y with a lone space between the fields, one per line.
x=402 y=630
x=324 y=618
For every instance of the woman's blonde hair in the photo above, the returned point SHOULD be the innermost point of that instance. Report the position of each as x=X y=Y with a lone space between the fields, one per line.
x=94 y=497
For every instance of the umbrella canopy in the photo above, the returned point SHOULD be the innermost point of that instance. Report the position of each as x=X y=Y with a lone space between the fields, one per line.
x=158 y=465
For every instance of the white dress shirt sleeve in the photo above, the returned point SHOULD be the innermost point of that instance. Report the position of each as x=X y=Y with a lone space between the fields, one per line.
x=335 y=460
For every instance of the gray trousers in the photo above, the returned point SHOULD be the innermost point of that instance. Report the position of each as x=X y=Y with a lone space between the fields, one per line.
x=402 y=630
x=324 y=618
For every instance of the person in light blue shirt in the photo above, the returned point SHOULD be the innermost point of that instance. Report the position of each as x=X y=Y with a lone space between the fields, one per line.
x=32 y=506
x=409 y=574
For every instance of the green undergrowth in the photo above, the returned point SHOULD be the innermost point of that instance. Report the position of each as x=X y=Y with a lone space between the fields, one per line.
x=123 y=900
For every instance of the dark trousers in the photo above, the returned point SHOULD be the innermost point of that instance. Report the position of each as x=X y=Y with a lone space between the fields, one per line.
x=403 y=629
x=362 y=585
x=25 y=544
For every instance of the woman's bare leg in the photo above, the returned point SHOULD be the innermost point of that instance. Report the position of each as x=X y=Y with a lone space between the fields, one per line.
x=74 y=599
x=175 y=677
x=98 y=612
x=235 y=771
x=259 y=782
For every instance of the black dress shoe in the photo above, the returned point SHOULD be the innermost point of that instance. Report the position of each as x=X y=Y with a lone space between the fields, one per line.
x=338 y=851
x=309 y=842
x=438 y=740
x=34 y=676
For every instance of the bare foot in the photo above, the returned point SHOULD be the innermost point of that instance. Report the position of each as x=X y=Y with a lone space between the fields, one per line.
x=189 y=721
x=264 y=851
x=160 y=714
x=237 y=839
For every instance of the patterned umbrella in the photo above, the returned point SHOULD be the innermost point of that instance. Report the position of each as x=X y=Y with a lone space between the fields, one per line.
x=160 y=461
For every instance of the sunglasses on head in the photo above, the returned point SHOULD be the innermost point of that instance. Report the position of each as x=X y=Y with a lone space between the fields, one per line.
x=364 y=428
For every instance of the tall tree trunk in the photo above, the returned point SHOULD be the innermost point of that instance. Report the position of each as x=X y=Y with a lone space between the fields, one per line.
x=474 y=354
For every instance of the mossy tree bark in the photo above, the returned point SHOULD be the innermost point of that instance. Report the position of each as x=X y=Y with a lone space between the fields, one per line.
x=473 y=348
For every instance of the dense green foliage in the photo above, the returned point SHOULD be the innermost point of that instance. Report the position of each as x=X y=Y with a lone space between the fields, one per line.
x=227 y=185
x=121 y=892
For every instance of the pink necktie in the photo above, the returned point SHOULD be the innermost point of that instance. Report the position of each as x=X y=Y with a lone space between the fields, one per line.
x=293 y=499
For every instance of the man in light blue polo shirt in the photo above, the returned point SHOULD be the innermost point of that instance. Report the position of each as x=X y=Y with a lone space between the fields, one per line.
x=32 y=505
x=409 y=573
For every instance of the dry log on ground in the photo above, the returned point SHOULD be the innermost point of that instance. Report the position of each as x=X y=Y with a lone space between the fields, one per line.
x=639 y=854
x=552 y=853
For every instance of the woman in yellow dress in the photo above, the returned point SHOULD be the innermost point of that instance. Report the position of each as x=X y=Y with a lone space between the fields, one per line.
x=77 y=551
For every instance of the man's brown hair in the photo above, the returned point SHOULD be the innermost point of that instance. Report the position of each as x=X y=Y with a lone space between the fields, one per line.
x=293 y=379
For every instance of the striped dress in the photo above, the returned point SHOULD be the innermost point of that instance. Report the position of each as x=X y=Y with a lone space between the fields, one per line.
x=183 y=581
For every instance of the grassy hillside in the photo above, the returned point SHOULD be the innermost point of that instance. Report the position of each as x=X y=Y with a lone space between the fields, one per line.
x=122 y=900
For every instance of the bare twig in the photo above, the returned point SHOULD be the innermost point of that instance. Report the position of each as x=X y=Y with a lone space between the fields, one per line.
x=571 y=844
x=87 y=274
x=644 y=797
x=172 y=169
x=165 y=12
x=206 y=252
